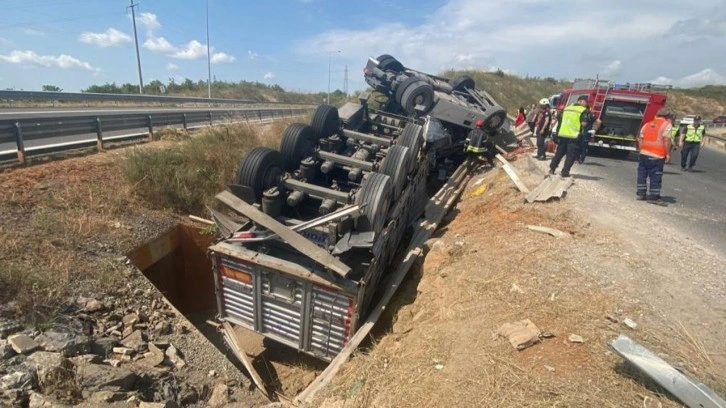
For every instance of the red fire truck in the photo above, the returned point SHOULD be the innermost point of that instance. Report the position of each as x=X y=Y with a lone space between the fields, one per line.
x=622 y=108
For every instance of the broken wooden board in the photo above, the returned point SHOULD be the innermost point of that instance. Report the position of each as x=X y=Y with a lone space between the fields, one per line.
x=546 y=230
x=296 y=240
x=550 y=187
x=512 y=173
x=229 y=334
x=686 y=390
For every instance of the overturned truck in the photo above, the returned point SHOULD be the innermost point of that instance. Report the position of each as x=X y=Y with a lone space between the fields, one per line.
x=327 y=213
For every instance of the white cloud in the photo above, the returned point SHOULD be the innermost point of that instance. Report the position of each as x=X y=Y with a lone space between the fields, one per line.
x=149 y=22
x=107 y=38
x=171 y=67
x=269 y=76
x=612 y=69
x=61 y=61
x=191 y=51
x=252 y=54
x=159 y=44
x=707 y=76
x=222 y=58
x=30 y=31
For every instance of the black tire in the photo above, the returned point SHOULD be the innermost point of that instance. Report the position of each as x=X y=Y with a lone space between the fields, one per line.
x=412 y=138
x=260 y=170
x=326 y=121
x=418 y=93
x=376 y=192
x=494 y=119
x=398 y=95
x=462 y=83
x=396 y=165
x=298 y=142
x=388 y=63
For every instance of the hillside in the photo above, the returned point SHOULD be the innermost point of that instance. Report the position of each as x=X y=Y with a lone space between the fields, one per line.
x=513 y=91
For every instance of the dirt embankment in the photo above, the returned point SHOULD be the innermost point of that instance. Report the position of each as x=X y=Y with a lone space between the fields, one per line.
x=485 y=269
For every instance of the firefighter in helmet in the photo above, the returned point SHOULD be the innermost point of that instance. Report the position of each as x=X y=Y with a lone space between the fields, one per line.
x=479 y=142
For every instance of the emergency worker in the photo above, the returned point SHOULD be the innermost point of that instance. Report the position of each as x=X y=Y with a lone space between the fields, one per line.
x=691 y=142
x=478 y=142
x=573 y=125
x=542 y=127
x=654 y=141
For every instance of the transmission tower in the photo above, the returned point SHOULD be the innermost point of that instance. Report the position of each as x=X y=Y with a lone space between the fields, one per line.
x=345 y=81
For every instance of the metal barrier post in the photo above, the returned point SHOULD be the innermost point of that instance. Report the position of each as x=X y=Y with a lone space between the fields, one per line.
x=184 y=120
x=20 y=142
x=210 y=118
x=259 y=114
x=151 y=129
x=99 y=135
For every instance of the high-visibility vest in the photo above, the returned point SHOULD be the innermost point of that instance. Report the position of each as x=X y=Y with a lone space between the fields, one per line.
x=674 y=133
x=570 y=125
x=693 y=134
x=652 y=144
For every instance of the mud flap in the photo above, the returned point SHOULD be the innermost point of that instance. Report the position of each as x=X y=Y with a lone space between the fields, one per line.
x=355 y=240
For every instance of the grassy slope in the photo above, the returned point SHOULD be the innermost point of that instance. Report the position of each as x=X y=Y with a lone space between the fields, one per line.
x=512 y=91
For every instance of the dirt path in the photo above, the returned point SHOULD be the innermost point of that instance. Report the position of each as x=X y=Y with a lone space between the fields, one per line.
x=485 y=269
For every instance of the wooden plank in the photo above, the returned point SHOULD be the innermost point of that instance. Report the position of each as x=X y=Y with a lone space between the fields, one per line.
x=546 y=230
x=297 y=241
x=443 y=200
x=513 y=175
x=242 y=356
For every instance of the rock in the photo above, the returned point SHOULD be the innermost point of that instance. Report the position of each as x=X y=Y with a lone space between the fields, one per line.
x=549 y=368
x=181 y=328
x=630 y=323
x=174 y=357
x=130 y=319
x=108 y=396
x=167 y=404
x=220 y=396
x=153 y=358
x=521 y=334
x=86 y=359
x=51 y=368
x=127 y=331
x=162 y=328
x=100 y=377
x=94 y=305
x=574 y=338
x=8 y=327
x=16 y=380
x=113 y=362
x=212 y=373
x=103 y=346
x=42 y=401
x=66 y=343
x=134 y=341
x=6 y=350
x=22 y=343
x=124 y=351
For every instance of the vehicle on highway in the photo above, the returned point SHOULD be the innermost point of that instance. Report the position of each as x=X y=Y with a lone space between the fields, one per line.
x=328 y=211
x=687 y=120
x=622 y=109
x=719 y=120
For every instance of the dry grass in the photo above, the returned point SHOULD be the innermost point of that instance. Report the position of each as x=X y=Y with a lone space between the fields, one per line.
x=440 y=348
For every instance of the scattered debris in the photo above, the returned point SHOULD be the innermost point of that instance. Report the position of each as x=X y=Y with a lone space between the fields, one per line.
x=546 y=230
x=174 y=357
x=690 y=393
x=550 y=187
x=439 y=366
x=512 y=173
x=516 y=288
x=521 y=334
x=574 y=338
x=546 y=335
x=611 y=318
x=630 y=323
x=549 y=368
x=22 y=343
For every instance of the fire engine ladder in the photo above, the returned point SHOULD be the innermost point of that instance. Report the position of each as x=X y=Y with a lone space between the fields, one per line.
x=601 y=94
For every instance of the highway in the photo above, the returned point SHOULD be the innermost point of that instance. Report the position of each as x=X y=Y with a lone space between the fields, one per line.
x=32 y=113
x=696 y=200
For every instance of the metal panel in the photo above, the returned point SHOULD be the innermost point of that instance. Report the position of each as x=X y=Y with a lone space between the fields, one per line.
x=331 y=322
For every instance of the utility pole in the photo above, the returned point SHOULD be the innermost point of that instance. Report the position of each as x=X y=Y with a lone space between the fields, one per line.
x=209 y=59
x=345 y=81
x=330 y=59
x=136 y=40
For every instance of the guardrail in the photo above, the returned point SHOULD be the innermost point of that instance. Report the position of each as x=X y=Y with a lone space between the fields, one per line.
x=89 y=96
x=143 y=125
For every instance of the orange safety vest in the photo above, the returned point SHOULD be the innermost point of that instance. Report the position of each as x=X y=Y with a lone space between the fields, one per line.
x=651 y=143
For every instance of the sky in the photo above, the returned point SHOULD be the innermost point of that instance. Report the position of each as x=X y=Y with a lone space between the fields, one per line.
x=76 y=43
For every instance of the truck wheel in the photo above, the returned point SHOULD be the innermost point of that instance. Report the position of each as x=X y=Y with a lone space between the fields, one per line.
x=376 y=193
x=260 y=170
x=462 y=83
x=398 y=95
x=388 y=63
x=494 y=119
x=411 y=137
x=298 y=142
x=326 y=121
x=418 y=93
x=396 y=165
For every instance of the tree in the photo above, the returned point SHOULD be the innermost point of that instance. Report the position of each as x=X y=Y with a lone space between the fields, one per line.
x=51 y=88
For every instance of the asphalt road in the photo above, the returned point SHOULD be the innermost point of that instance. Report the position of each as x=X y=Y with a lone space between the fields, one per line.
x=696 y=200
